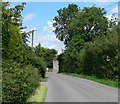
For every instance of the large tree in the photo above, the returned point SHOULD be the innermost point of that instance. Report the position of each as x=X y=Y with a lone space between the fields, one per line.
x=15 y=47
x=11 y=25
x=87 y=23
x=63 y=19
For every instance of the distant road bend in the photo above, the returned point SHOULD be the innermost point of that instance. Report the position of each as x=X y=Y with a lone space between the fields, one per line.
x=63 y=88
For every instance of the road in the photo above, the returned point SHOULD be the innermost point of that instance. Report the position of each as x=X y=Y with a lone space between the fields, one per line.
x=63 y=88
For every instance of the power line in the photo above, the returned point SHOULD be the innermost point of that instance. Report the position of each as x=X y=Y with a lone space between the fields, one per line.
x=110 y=5
x=109 y=10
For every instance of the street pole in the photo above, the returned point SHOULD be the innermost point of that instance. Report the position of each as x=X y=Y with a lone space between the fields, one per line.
x=32 y=37
x=119 y=11
x=118 y=32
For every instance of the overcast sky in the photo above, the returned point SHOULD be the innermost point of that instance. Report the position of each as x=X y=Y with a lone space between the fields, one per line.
x=39 y=16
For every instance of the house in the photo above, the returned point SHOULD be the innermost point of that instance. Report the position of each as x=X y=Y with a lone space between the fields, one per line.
x=55 y=65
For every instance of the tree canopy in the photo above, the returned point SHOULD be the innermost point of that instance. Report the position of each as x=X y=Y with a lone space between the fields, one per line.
x=65 y=17
x=91 y=41
x=88 y=23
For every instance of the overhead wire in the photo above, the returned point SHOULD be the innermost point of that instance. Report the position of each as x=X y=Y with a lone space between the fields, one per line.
x=109 y=10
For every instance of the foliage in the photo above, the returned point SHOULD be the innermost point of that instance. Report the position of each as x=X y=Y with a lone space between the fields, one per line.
x=92 y=47
x=50 y=54
x=71 y=54
x=102 y=56
x=93 y=78
x=88 y=23
x=15 y=47
x=22 y=67
x=61 y=62
x=65 y=16
x=34 y=60
x=46 y=54
x=11 y=18
x=40 y=51
x=76 y=44
x=43 y=79
x=98 y=58
x=19 y=81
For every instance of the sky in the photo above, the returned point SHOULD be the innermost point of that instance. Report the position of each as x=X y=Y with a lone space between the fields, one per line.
x=39 y=16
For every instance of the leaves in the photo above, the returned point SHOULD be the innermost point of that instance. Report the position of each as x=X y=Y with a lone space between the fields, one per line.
x=46 y=54
x=91 y=44
x=88 y=23
x=65 y=16
x=22 y=68
x=18 y=82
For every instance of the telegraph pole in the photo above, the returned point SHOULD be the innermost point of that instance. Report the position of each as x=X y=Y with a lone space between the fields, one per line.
x=118 y=31
x=62 y=50
x=118 y=27
x=33 y=37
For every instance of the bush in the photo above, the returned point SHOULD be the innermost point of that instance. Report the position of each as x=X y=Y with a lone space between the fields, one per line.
x=36 y=61
x=19 y=81
x=98 y=58
x=61 y=63
x=101 y=57
x=41 y=65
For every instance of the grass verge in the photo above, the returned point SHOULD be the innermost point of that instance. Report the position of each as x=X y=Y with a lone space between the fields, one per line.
x=40 y=95
x=43 y=79
x=93 y=78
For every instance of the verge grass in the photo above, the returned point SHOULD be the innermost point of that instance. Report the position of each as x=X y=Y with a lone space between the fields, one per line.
x=43 y=79
x=40 y=95
x=108 y=82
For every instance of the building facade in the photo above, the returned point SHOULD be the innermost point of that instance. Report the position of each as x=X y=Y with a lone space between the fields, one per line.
x=55 y=65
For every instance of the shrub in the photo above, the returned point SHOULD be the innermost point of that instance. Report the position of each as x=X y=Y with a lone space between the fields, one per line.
x=19 y=81
x=36 y=61
x=101 y=57
x=41 y=65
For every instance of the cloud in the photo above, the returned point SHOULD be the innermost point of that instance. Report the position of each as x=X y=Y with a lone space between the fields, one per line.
x=52 y=46
x=49 y=41
x=29 y=17
x=49 y=28
x=102 y=0
x=106 y=0
x=109 y=17
x=113 y=11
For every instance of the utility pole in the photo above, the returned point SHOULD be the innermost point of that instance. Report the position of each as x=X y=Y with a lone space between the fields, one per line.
x=32 y=37
x=119 y=11
x=118 y=31
x=62 y=50
x=118 y=27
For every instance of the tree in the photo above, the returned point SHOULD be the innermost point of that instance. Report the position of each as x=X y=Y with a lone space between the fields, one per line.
x=92 y=45
x=89 y=23
x=19 y=78
x=65 y=16
x=61 y=62
x=15 y=47
x=50 y=54
x=40 y=51
x=11 y=17
x=75 y=44
x=102 y=56
x=46 y=54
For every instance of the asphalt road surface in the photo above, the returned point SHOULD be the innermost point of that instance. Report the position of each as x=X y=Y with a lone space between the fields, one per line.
x=63 y=88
